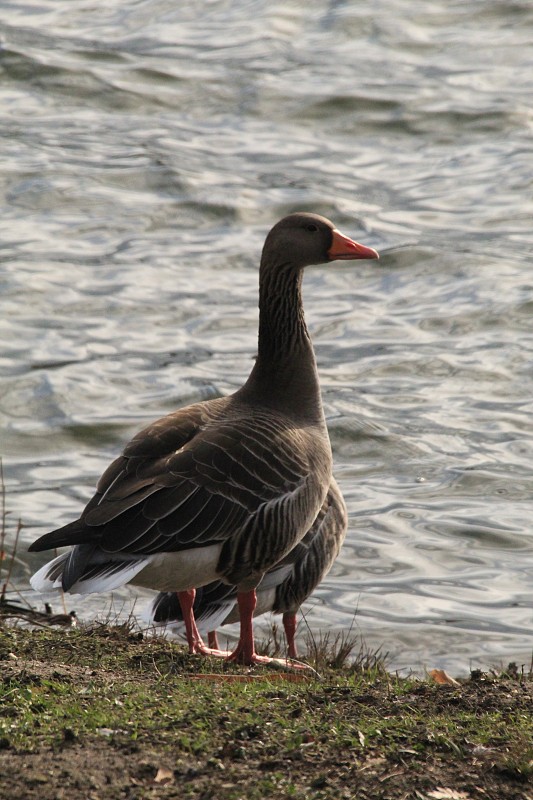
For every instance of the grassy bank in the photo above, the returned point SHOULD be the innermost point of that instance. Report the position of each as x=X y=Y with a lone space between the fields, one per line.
x=106 y=713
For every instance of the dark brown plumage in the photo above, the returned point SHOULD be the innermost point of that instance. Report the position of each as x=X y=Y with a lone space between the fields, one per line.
x=284 y=587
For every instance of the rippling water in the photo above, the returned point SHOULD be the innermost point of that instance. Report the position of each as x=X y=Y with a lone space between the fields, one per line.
x=147 y=149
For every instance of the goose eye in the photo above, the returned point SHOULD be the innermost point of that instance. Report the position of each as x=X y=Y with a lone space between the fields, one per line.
x=311 y=227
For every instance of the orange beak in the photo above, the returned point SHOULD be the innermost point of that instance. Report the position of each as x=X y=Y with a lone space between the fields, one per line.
x=344 y=248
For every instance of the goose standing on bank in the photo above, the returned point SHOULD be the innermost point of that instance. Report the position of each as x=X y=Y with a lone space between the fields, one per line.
x=283 y=589
x=223 y=489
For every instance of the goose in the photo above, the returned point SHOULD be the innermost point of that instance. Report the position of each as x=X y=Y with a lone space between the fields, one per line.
x=282 y=590
x=223 y=489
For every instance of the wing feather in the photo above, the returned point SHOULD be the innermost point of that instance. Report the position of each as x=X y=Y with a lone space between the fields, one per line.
x=205 y=476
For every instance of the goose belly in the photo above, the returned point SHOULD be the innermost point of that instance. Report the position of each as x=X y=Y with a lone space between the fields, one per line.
x=177 y=572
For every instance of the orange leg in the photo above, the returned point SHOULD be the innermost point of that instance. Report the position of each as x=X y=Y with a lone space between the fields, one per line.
x=289 y=623
x=245 y=653
x=194 y=640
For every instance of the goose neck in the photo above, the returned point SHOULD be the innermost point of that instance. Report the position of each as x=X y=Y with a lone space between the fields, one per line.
x=285 y=374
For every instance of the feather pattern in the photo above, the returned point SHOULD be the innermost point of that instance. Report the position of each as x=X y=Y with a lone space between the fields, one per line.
x=283 y=588
x=214 y=464
x=220 y=486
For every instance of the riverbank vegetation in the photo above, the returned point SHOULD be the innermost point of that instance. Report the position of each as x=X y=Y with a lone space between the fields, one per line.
x=107 y=712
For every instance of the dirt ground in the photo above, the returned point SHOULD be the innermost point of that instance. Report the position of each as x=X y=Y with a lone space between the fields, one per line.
x=213 y=740
x=97 y=770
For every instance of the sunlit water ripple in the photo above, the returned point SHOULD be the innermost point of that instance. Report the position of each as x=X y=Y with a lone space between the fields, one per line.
x=147 y=150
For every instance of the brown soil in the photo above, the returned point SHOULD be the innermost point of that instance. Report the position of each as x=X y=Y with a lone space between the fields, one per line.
x=424 y=741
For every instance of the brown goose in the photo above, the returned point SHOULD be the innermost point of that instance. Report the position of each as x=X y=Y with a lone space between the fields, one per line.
x=223 y=489
x=284 y=587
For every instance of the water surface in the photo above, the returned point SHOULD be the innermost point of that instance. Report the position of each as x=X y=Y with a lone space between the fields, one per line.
x=148 y=148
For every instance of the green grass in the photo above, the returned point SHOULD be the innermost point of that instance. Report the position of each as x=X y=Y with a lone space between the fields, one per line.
x=108 y=690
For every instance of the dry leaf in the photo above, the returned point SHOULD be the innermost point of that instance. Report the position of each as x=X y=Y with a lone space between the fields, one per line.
x=372 y=763
x=441 y=677
x=447 y=794
x=164 y=775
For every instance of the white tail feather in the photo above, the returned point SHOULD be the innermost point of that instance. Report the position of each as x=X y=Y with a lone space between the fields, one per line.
x=48 y=578
x=123 y=570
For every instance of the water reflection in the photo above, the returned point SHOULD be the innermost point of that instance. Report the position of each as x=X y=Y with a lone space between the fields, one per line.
x=147 y=150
